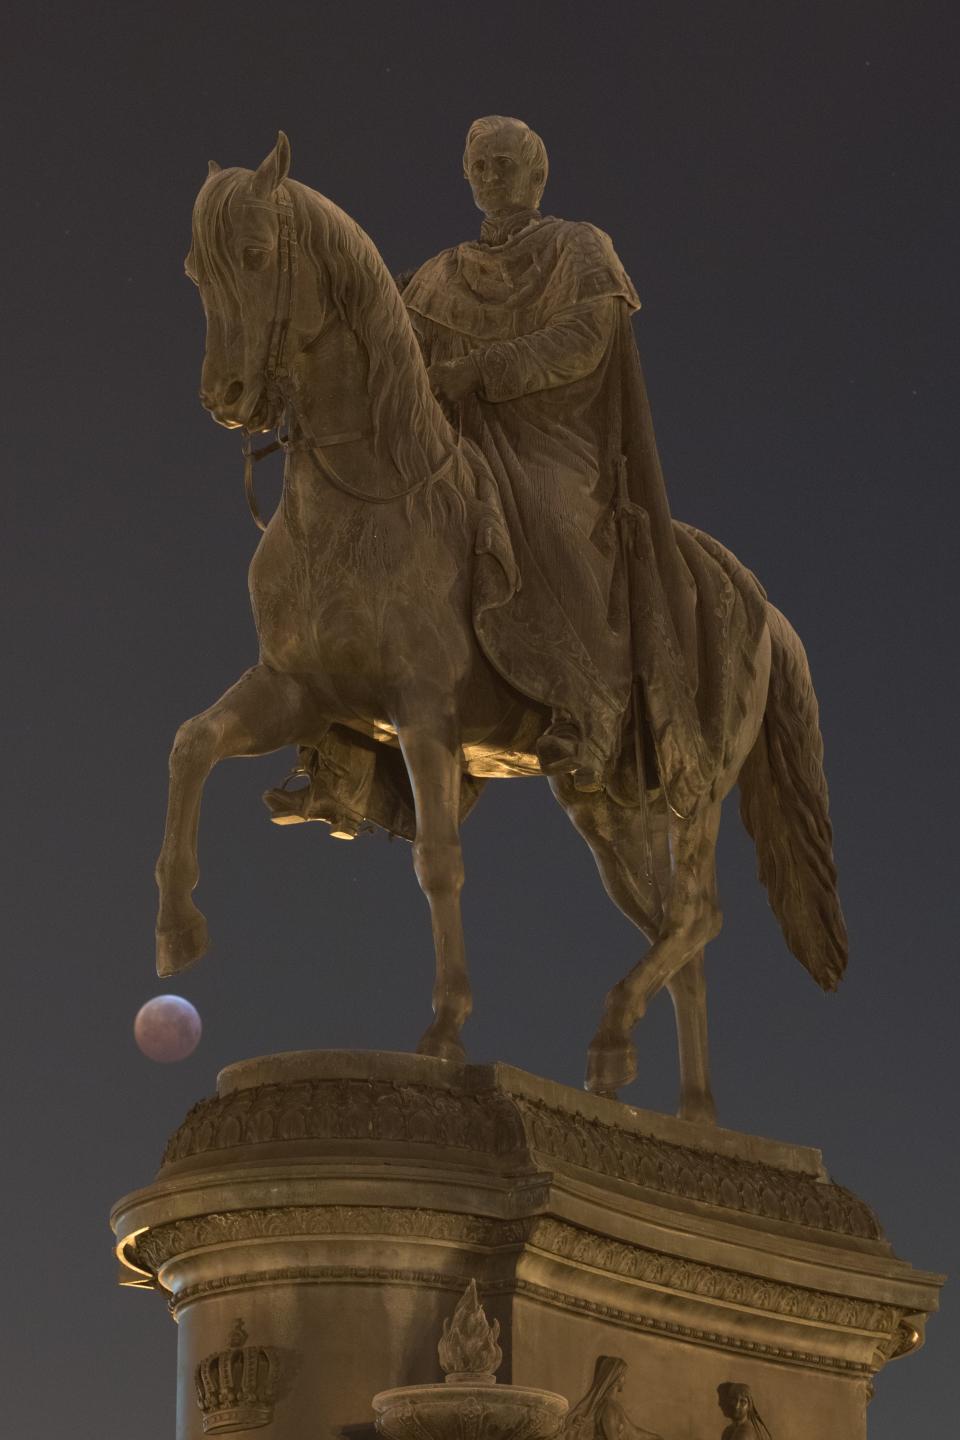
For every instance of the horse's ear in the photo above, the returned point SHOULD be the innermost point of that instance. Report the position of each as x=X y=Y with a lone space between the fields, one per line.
x=212 y=168
x=274 y=170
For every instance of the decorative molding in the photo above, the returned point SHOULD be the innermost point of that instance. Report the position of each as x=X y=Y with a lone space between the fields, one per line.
x=469 y=1411
x=315 y=1275
x=712 y=1282
x=698 y=1175
x=633 y=1321
x=496 y=1123
x=164 y=1242
x=903 y=1339
x=435 y=1279
x=556 y=1238
x=349 y=1110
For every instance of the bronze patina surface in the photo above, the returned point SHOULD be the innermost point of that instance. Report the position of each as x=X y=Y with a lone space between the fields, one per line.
x=473 y=573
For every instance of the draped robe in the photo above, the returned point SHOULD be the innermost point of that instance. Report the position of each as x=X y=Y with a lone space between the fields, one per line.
x=543 y=306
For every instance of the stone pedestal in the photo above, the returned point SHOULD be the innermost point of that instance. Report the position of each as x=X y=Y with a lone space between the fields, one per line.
x=315 y=1222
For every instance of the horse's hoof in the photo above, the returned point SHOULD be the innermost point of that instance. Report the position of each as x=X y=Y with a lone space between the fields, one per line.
x=181 y=946
x=609 y=1067
x=442 y=1049
x=699 y=1110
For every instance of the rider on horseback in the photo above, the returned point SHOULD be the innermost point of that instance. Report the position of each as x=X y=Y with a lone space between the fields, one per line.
x=529 y=346
x=528 y=341
x=411 y=589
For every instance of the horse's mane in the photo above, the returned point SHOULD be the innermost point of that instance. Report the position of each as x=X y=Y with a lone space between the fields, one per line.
x=409 y=428
x=209 y=261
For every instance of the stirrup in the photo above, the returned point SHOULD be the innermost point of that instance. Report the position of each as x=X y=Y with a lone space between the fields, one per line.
x=557 y=753
x=296 y=807
x=287 y=806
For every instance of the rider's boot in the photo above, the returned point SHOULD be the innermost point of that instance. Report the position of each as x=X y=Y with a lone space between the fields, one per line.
x=561 y=750
x=313 y=802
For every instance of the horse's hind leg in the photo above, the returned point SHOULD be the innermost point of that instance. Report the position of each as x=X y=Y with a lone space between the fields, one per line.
x=614 y=836
x=432 y=755
x=688 y=991
x=261 y=712
x=691 y=918
x=617 y=841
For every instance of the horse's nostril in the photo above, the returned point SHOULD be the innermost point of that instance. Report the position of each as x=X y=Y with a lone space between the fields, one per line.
x=232 y=393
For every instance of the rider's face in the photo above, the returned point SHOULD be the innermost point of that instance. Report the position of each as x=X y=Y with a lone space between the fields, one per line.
x=501 y=179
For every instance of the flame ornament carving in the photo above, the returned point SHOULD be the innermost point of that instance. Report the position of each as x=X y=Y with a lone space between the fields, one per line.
x=470 y=1405
x=468 y=1348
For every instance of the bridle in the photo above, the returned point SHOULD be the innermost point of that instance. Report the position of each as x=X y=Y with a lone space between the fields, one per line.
x=279 y=384
x=274 y=369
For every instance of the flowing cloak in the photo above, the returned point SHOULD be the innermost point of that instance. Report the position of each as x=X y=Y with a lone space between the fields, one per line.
x=563 y=422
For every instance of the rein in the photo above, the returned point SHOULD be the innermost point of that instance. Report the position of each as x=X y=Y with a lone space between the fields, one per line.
x=274 y=369
x=278 y=381
x=250 y=458
x=315 y=449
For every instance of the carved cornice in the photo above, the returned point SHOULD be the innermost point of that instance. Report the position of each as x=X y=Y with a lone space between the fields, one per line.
x=349 y=1110
x=552 y=1237
x=712 y=1282
x=313 y=1275
x=165 y=1242
x=435 y=1279
x=698 y=1175
x=498 y=1124
x=632 y=1321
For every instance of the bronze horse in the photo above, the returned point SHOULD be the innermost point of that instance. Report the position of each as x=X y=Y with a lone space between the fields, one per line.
x=360 y=591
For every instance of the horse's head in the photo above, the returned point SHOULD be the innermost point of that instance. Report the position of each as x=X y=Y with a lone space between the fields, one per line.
x=260 y=314
x=281 y=268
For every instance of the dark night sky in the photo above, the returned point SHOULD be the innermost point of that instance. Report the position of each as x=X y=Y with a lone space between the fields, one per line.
x=780 y=181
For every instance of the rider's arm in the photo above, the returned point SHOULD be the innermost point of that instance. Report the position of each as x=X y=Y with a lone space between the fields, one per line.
x=568 y=348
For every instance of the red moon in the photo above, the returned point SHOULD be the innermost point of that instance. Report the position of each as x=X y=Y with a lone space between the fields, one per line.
x=167 y=1028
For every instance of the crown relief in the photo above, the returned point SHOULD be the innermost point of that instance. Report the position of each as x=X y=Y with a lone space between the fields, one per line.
x=238 y=1387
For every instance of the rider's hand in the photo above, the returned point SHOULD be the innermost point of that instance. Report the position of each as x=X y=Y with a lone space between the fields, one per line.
x=454 y=380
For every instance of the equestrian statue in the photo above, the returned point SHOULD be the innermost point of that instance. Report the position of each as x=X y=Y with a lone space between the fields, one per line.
x=473 y=573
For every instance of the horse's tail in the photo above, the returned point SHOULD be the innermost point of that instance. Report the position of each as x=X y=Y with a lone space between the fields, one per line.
x=783 y=804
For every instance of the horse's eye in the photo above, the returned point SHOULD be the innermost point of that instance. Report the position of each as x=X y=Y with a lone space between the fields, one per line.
x=254 y=258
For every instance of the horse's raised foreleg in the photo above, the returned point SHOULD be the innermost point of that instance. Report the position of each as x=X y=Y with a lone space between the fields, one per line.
x=688 y=991
x=260 y=713
x=691 y=918
x=432 y=757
